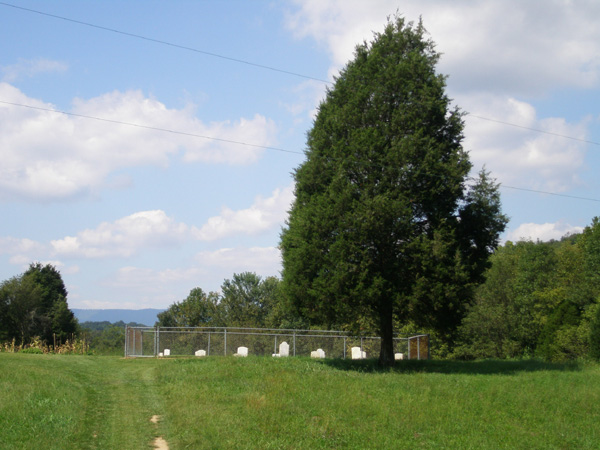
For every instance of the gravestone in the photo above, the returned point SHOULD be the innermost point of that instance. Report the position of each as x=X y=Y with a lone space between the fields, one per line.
x=319 y=353
x=358 y=354
x=242 y=351
x=398 y=356
x=284 y=349
x=200 y=353
x=167 y=352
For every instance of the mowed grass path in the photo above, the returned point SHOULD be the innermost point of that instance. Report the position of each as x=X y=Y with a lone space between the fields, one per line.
x=73 y=402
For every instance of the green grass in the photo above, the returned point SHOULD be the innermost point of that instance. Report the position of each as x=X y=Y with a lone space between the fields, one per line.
x=294 y=403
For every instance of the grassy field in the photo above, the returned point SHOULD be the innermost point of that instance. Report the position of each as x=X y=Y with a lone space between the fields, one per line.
x=81 y=402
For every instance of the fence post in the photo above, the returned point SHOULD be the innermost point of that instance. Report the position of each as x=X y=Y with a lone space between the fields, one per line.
x=208 y=352
x=419 y=348
x=344 y=347
x=126 y=337
x=225 y=341
x=158 y=342
x=275 y=348
x=294 y=342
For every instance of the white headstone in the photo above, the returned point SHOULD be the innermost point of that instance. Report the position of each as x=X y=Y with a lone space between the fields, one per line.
x=399 y=356
x=319 y=353
x=160 y=354
x=167 y=352
x=200 y=353
x=242 y=351
x=284 y=349
x=358 y=354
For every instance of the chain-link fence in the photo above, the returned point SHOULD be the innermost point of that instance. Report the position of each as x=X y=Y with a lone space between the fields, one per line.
x=163 y=341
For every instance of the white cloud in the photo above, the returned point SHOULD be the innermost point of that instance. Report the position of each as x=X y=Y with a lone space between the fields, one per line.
x=517 y=155
x=263 y=215
x=157 y=288
x=123 y=238
x=30 y=68
x=542 y=232
x=223 y=263
x=493 y=57
x=48 y=155
x=525 y=48
x=151 y=230
x=11 y=245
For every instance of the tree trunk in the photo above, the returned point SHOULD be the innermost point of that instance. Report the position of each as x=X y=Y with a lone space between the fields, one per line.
x=386 y=355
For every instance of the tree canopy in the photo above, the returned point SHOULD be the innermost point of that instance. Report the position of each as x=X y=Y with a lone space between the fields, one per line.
x=538 y=299
x=246 y=300
x=384 y=224
x=35 y=304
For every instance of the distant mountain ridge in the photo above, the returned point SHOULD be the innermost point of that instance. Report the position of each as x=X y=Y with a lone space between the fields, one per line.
x=146 y=316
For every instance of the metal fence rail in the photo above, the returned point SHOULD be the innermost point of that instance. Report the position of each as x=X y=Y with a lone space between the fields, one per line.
x=179 y=341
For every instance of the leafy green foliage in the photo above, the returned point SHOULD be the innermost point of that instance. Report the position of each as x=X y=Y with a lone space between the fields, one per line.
x=247 y=300
x=538 y=299
x=35 y=304
x=105 y=338
x=383 y=225
x=198 y=309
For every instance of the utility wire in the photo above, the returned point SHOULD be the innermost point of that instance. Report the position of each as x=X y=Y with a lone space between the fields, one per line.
x=170 y=44
x=230 y=141
x=550 y=193
x=261 y=66
x=149 y=127
x=537 y=130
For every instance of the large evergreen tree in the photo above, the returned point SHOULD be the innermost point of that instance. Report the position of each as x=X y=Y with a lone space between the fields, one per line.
x=384 y=224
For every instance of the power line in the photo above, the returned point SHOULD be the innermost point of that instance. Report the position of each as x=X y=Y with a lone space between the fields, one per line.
x=550 y=193
x=231 y=141
x=170 y=44
x=149 y=127
x=533 y=129
x=261 y=66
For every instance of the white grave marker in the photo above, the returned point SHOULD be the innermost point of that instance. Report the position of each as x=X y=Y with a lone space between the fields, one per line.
x=319 y=353
x=242 y=351
x=358 y=354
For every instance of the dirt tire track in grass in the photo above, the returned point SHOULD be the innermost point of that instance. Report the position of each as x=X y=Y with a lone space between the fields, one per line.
x=159 y=442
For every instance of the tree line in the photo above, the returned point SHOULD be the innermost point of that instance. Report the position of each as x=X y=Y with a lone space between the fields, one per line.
x=538 y=299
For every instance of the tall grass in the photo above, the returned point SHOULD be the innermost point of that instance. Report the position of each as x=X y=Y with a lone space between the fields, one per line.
x=81 y=402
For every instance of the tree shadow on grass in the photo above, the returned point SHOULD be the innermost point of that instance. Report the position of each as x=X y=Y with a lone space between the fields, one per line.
x=483 y=367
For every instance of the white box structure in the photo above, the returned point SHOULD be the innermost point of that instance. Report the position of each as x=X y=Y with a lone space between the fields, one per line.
x=200 y=353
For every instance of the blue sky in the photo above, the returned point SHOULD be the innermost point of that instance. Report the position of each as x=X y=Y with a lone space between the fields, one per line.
x=135 y=216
